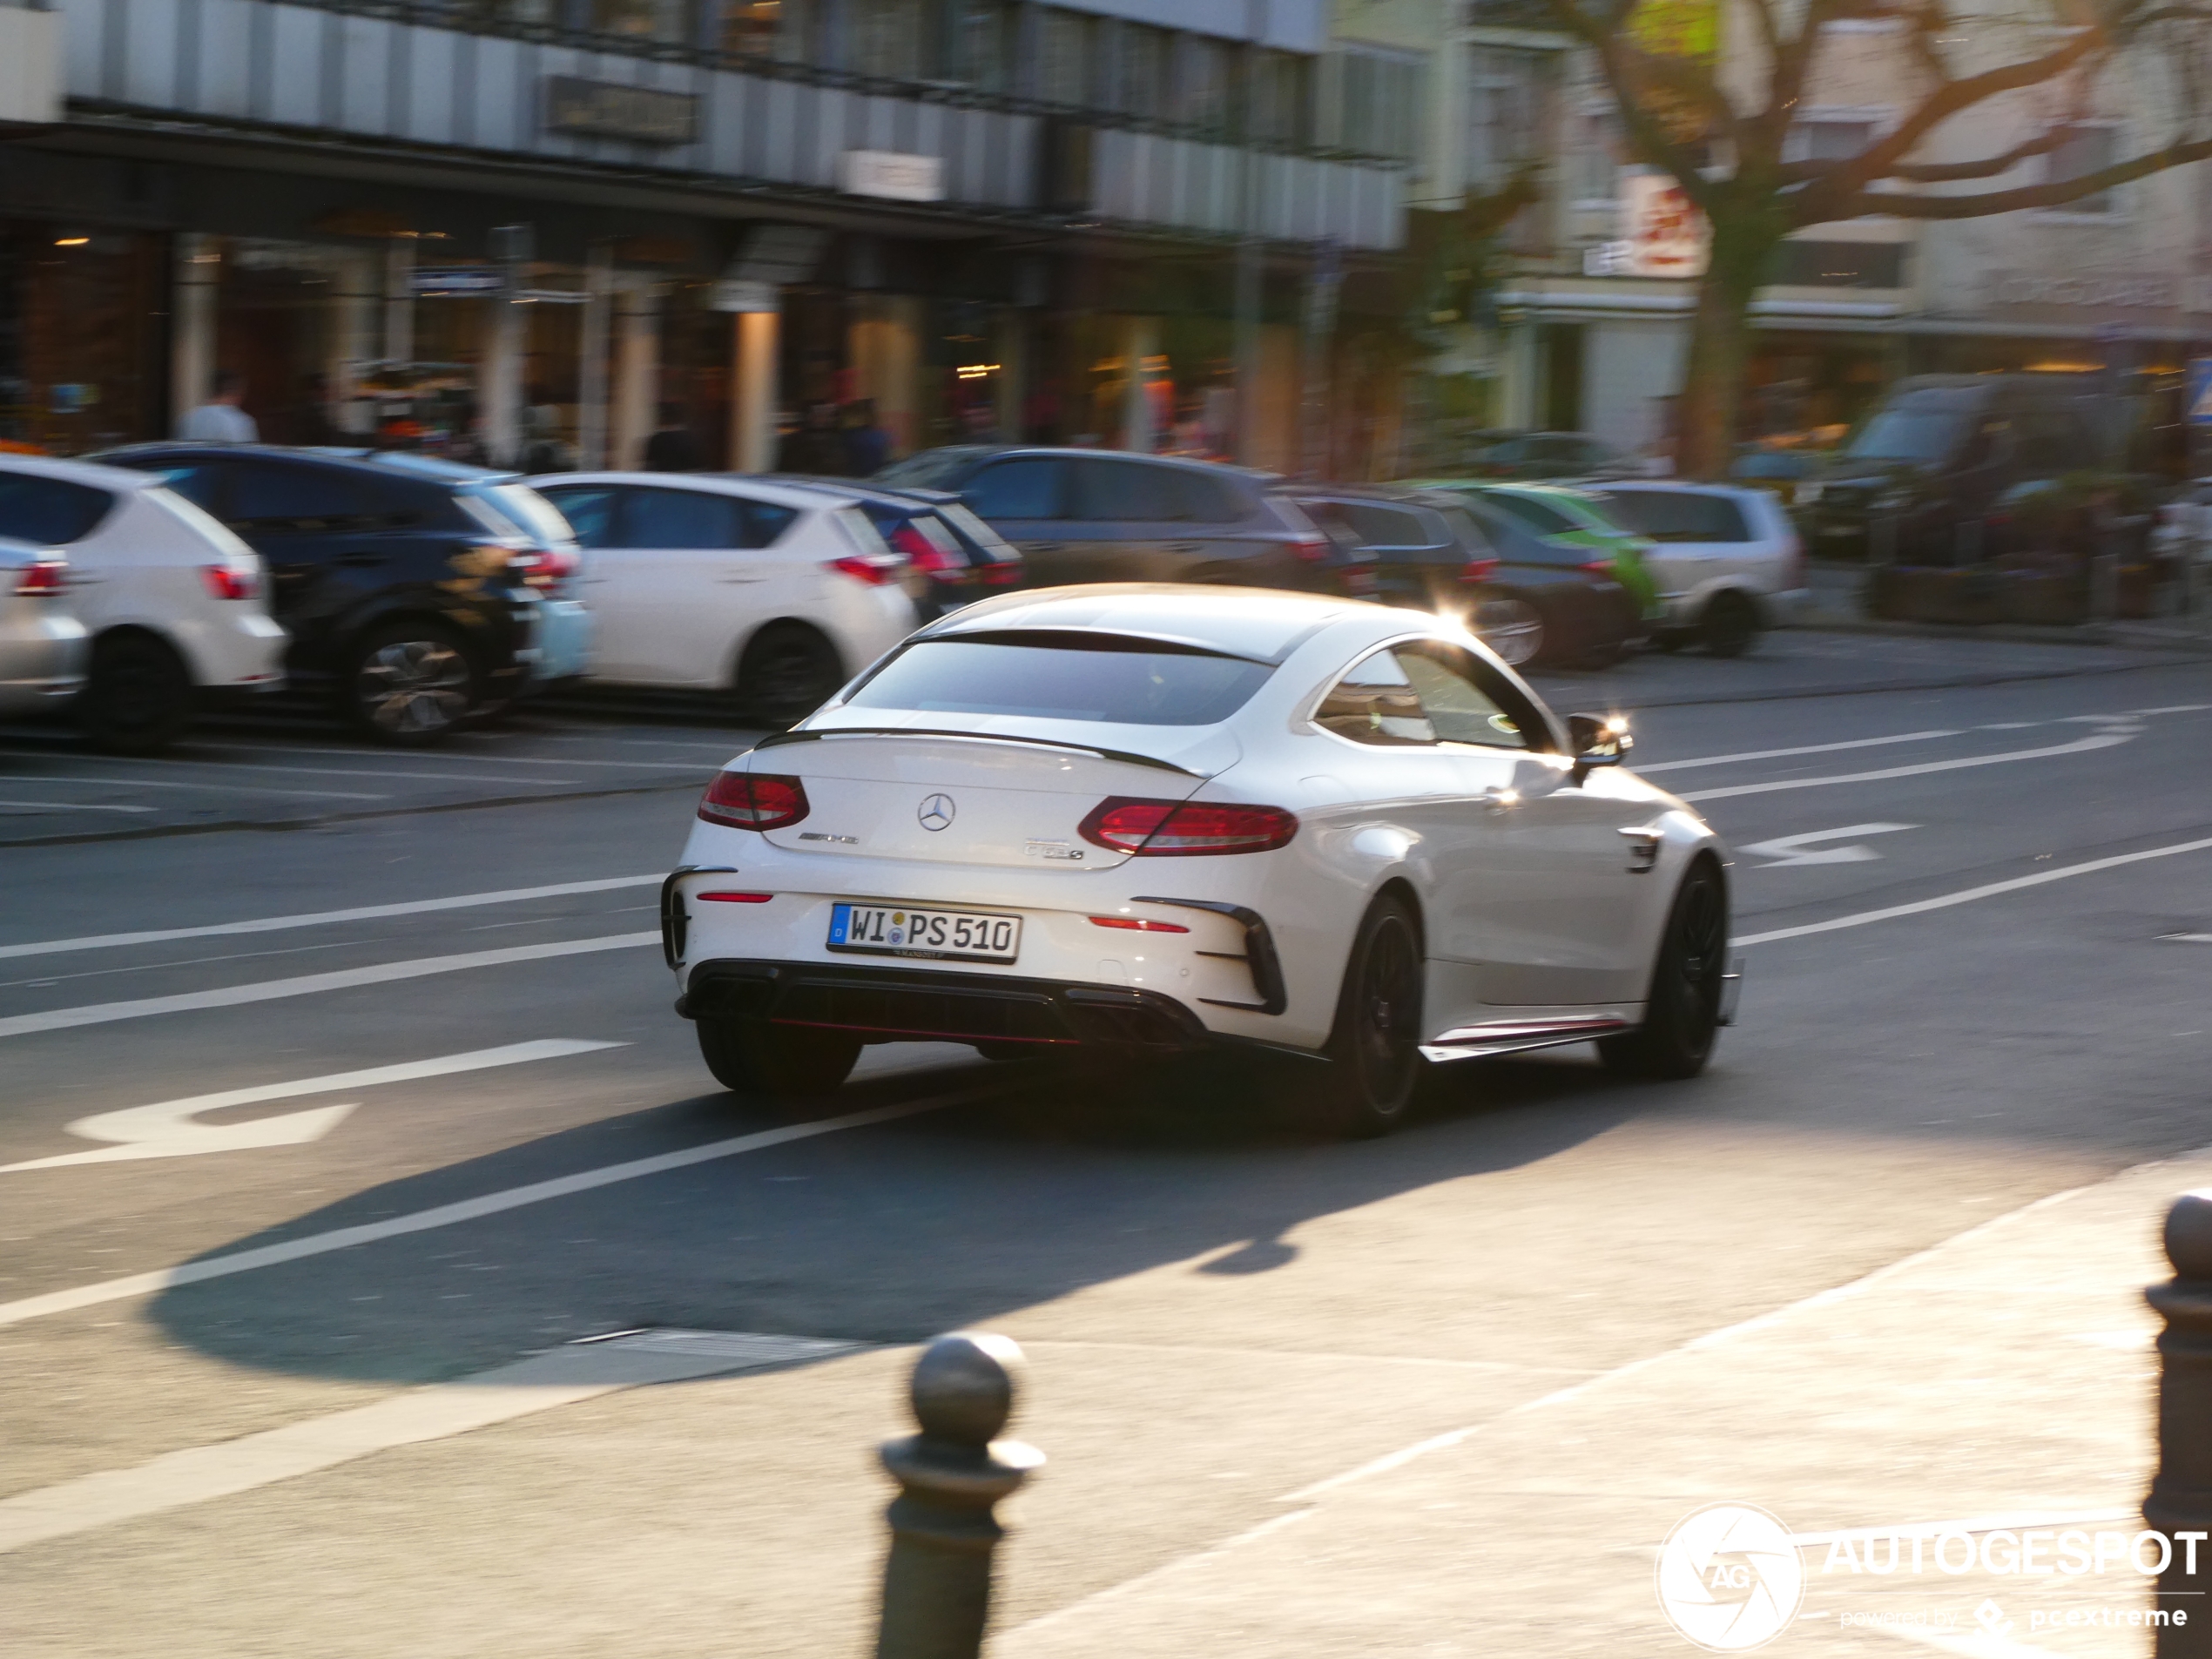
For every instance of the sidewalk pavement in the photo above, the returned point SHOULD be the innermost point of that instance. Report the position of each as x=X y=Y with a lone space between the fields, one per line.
x=1832 y=604
x=2003 y=1374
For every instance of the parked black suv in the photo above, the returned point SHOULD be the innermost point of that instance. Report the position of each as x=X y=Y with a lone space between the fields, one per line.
x=408 y=599
x=1920 y=481
x=1104 y=516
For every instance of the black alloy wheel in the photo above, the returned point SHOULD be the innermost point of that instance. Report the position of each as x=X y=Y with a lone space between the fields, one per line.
x=1730 y=625
x=137 y=698
x=1683 y=1015
x=788 y=671
x=411 y=684
x=1374 y=1053
x=776 y=1062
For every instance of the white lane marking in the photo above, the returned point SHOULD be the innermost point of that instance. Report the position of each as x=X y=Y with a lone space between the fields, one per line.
x=2079 y=746
x=185 y=961
x=519 y=760
x=1784 y=850
x=104 y=782
x=1807 y=749
x=2186 y=939
x=579 y=1372
x=447 y=1215
x=71 y=806
x=1972 y=894
x=354 y=771
x=169 y=1129
x=316 y=918
x=312 y=984
x=2176 y=708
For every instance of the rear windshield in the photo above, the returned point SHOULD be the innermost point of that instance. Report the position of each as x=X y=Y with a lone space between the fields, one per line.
x=49 y=511
x=1537 y=514
x=1680 y=515
x=1113 y=681
x=931 y=469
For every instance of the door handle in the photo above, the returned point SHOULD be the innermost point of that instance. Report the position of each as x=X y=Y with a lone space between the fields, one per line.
x=741 y=578
x=1039 y=547
x=360 y=560
x=1184 y=547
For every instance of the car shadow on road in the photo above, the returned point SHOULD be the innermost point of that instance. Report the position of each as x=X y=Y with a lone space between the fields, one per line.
x=1067 y=1180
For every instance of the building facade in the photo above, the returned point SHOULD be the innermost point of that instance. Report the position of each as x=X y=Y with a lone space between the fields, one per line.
x=538 y=229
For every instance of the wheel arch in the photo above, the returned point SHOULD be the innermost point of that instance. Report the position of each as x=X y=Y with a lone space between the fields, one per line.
x=735 y=671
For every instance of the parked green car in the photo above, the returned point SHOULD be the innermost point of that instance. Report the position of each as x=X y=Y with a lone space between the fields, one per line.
x=1566 y=516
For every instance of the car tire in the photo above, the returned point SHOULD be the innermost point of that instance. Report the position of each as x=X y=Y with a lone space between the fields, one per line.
x=138 y=697
x=1513 y=628
x=408 y=684
x=1682 y=1012
x=1374 y=1054
x=775 y=1063
x=1731 y=624
x=788 y=671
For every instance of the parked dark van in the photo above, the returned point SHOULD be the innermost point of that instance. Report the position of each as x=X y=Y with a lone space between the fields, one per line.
x=1918 y=479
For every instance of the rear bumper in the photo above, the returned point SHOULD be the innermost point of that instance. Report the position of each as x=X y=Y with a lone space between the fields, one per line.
x=908 y=1005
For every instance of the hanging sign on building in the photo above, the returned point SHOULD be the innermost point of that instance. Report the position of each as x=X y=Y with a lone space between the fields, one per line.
x=1665 y=234
x=608 y=110
x=891 y=175
x=735 y=293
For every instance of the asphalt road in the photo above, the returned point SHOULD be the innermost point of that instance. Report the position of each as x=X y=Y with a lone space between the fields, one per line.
x=474 y=1132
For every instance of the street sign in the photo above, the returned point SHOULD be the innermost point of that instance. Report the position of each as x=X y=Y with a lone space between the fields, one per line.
x=2200 y=403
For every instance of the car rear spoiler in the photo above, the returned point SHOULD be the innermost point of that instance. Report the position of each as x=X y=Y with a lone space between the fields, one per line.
x=776 y=738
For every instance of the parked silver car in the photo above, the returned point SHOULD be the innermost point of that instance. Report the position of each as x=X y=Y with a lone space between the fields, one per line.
x=43 y=647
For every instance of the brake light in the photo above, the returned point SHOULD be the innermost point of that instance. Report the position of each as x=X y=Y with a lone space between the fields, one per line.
x=736 y=898
x=1476 y=571
x=753 y=800
x=230 y=581
x=42 y=579
x=1184 y=829
x=1003 y=574
x=1311 y=548
x=1138 y=925
x=875 y=569
x=924 y=554
x=545 y=567
x=1599 y=567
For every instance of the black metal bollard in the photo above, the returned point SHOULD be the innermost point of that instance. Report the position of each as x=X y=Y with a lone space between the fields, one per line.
x=937 y=1579
x=2181 y=1494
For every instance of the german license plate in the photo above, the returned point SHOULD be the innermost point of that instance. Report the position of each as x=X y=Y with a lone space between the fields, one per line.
x=901 y=930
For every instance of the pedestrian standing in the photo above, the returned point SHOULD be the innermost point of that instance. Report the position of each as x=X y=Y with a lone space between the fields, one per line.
x=867 y=446
x=220 y=420
x=673 y=448
x=817 y=449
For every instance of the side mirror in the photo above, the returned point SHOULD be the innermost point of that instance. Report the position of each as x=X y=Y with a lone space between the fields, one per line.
x=1597 y=740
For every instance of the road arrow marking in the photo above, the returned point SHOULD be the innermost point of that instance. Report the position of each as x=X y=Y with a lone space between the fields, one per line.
x=170 y=1128
x=1785 y=850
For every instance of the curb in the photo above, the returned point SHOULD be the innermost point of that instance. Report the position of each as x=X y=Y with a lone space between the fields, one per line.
x=2111 y=636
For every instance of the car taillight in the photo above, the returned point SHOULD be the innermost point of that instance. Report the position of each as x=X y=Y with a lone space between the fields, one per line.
x=545 y=567
x=753 y=800
x=924 y=554
x=1311 y=549
x=736 y=898
x=230 y=581
x=42 y=579
x=1183 y=829
x=1004 y=573
x=1138 y=925
x=1476 y=571
x=876 y=570
x=1599 y=567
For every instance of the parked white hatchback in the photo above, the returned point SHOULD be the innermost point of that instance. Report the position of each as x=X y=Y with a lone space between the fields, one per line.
x=176 y=606
x=42 y=646
x=778 y=592
x=1727 y=562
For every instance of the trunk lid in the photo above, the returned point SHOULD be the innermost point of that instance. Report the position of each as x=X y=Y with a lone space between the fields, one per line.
x=969 y=799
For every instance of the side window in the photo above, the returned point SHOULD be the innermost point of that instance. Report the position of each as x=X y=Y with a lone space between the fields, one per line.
x=302 y=497
x=199 y=482
x=1023 y=487
x=1127 y=491
x=764 y=522
x=589 y=510
x=1428 y=694
x=50 y=511
x=1206 y=500
x=682 y=518
x=1384 y=526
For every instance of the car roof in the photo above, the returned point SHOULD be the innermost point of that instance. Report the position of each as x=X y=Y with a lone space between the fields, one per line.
x=1262 y=624
x=1681 y=487
x=779 y=492
x=865 y=489
x=80 y=472
x=375 y=463
x=1093 y=452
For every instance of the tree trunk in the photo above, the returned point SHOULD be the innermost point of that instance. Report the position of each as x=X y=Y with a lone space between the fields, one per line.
x=1720 y=349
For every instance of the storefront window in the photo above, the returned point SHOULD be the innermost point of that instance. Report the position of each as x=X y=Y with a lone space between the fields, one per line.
x=646 y=20
x=81 y=338
x=886 y=38
x=777 y=29
x=1201 y=82
x=1068 y=58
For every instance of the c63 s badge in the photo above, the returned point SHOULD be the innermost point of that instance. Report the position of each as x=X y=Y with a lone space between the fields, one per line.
x=1054 y=850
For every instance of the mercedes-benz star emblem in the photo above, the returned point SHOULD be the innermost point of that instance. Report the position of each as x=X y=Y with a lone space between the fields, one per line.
x=936 y=812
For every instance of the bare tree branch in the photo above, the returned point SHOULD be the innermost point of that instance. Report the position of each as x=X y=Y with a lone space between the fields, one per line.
x=1943 y=173
x=1648 y=135
x=2056 y=193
